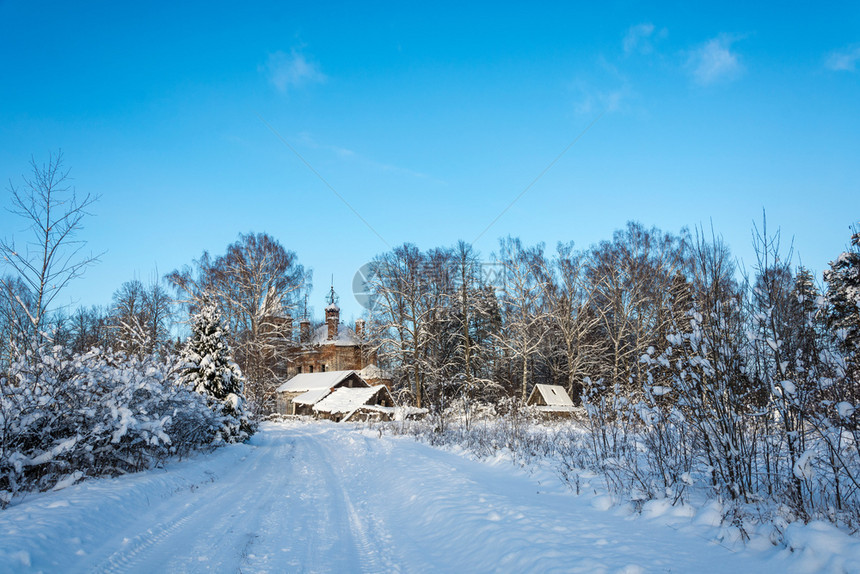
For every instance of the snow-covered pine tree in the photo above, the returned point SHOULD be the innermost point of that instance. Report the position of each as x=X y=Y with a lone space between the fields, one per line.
x=208 y=364
x=843 y=295
x=208 y=367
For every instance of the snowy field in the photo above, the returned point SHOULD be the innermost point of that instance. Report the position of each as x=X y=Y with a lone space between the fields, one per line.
x=320 y=497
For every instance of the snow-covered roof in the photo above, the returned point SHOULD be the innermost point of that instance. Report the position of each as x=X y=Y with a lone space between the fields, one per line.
x=553 y=396
x=554 y=409
x=372 y=371
x=347 y=400
x=332 y=307
x=312 y=397
x=312 y=381
x=345 y=336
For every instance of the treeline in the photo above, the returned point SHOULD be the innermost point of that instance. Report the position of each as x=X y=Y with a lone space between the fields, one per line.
x=685 y=364
x=138 y=321
x=254 y=284
x=453 y=324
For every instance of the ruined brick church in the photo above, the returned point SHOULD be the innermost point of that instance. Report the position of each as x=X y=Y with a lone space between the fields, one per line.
x=332 y=346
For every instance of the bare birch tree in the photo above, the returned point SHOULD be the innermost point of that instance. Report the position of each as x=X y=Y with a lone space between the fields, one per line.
x=524 y=296
x=400 y=314
x=140 y=317
x=255 y=283
x=52 y=256
x=573 y=316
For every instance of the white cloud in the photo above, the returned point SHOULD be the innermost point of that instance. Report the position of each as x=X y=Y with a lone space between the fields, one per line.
x=714 y=61
x=844 y=60
x=592 y=100
x=638 y=37
x=604 y=89
x=362 y=160
x=293 y=70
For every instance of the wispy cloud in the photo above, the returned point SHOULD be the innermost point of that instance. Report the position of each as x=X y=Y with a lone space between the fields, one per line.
x=604 y=90
x=844 y=60
x=638 y=39
x=594 y=100
x=362 y=160
x=714 y=61
x=289 y=71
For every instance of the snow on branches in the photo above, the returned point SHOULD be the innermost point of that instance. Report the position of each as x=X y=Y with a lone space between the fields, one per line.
x=206 y=361
x=64 y=417
x=207 y=366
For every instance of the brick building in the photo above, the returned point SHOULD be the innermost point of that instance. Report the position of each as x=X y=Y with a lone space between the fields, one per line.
x=332 y=346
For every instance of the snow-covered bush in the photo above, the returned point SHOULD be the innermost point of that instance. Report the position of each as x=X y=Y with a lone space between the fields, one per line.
x=66 y=417
x=513 y=434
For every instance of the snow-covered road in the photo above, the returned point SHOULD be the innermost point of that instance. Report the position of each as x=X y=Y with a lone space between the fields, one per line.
x=324 y=498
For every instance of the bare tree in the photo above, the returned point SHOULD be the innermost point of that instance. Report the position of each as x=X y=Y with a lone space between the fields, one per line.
x=631 y=281
x=400 y=314
x=52 y=256
x=573 y=316
x=89 y=328
x=473 y=310
x=15 y=300
x=524 y=302
x=254 y=284
x=140 y=317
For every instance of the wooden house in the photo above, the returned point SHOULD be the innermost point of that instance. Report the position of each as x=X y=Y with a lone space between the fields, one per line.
x=330 y=347
x=356 y=404
x=550 y=400
x=298 y=395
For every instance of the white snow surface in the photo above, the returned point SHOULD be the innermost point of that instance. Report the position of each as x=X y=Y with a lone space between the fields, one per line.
x=320 y=497
x=313 y=381
x=346 y=400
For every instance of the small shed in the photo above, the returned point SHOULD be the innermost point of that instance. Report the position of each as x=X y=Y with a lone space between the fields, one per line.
x=356 y=404
x=299 y=394
x=550 y=400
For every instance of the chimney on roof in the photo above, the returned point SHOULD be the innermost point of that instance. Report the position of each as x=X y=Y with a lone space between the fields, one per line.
x=332 y=319
x=304 y=331
x=359 y=328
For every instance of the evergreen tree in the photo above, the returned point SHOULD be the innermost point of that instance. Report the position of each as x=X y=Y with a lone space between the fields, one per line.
x=208 y=368
x=207 y=362
x=843 y=294
x=805 y=290
x=808 y=323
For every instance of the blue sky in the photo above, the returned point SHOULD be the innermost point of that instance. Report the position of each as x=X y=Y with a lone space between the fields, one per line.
x=430 y=121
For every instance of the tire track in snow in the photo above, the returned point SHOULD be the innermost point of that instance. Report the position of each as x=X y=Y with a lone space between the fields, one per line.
x=215 y=519
x=241 y=528
x=123 y=560
x=365 y=552
x=372 y=539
